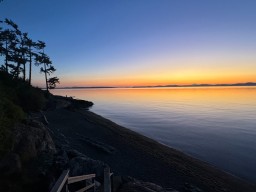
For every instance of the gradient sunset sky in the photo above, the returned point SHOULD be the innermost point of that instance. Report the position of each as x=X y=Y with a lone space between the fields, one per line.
x=141 y=42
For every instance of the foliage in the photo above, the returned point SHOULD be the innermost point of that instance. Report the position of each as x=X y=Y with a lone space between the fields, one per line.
x=21 y=93
x=30 y=99
x=52 y=82
x=17 y=97
x=9 y=115
x=18 y=51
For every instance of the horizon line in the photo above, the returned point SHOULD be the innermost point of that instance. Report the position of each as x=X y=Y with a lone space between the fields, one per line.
x=155 y=86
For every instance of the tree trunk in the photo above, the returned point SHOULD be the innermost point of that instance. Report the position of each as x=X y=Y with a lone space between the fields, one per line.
x=6 y=56
x=17 y=71
x=45 y=74
x=24 y=72
x=30 y=65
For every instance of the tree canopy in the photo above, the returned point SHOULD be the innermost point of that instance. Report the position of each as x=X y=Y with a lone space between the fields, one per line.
x=19 y=51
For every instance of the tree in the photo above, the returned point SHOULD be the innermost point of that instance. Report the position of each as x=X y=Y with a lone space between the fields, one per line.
x=30 y=45
x=18 y=50
x=1 y=41
x=7 y=43
x=52 y=82
x=48 y=68
x=17 y=45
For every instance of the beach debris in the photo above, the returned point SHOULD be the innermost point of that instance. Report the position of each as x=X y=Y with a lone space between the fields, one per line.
x=45 y=121
x=99 y=145
x=191 y=188
x=135 y=185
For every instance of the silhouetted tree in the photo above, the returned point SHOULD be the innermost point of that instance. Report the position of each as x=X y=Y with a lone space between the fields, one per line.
x=18 y=50
x=7 y=43
x=1 y=39
x=41 y=58
x=48 y=68
x=29 y=48
x=52 y=82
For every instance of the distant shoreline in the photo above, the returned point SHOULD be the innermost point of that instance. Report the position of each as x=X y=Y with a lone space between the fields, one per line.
x=164 y=86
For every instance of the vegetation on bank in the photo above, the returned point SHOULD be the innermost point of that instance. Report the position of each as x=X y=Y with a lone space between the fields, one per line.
x=18 y=54
x=17 y=99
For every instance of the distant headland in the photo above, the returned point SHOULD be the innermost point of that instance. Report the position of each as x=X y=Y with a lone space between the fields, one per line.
x=155 y=86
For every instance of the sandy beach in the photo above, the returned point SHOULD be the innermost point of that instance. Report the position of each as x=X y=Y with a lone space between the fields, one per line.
x=131 y=154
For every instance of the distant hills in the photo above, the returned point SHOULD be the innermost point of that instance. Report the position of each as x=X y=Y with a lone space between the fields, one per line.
x=90 y=87
x=171 y=85
x=200 y=85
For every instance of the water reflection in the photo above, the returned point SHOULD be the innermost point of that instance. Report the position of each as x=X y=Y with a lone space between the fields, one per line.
x=215 y=124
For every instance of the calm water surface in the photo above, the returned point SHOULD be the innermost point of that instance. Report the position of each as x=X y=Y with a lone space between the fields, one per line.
x=214 y=124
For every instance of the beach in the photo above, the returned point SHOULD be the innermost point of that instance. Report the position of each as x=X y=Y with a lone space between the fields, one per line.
x=131 y=154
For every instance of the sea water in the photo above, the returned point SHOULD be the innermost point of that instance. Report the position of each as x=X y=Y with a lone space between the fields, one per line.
x=213 y=124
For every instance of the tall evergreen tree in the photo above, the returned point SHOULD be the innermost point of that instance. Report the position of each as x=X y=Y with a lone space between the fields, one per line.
x=41 y=59
x=47 y=68
x=7 y=42
x=29 y=48
x=1 y=39
x=18 y=50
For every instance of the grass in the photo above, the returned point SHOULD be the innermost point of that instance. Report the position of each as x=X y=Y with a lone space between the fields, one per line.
x=17 y=98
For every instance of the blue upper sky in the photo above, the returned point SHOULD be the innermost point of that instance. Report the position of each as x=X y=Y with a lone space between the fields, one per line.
x=134 y=42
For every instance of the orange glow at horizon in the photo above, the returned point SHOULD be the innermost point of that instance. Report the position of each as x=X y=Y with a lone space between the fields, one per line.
x=153 y=81
x=166 y=71
x=170 y=72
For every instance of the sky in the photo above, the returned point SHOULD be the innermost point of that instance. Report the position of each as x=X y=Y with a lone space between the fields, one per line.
x=141 y=42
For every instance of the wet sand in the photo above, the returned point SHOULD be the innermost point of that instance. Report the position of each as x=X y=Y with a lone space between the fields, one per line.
x=131 y=154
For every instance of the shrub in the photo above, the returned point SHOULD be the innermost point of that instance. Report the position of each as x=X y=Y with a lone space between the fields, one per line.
x=16 y=96
x=30 y=98
x=21 y=93
x=9 y=115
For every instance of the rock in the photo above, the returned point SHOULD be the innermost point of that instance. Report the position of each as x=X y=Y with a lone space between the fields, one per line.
x=191 y=188
x=60 y=103
x=26 y=148
x=85 y=165
x=97 y=184
x=61 y=160
x=127 y=179
x=117 y=182
x=139 y=186
x=151 y=186
x=10 y=165
x=32 y=139
x=102 y=147
x=129 y=184
x=77 y=103
x=74 y=153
